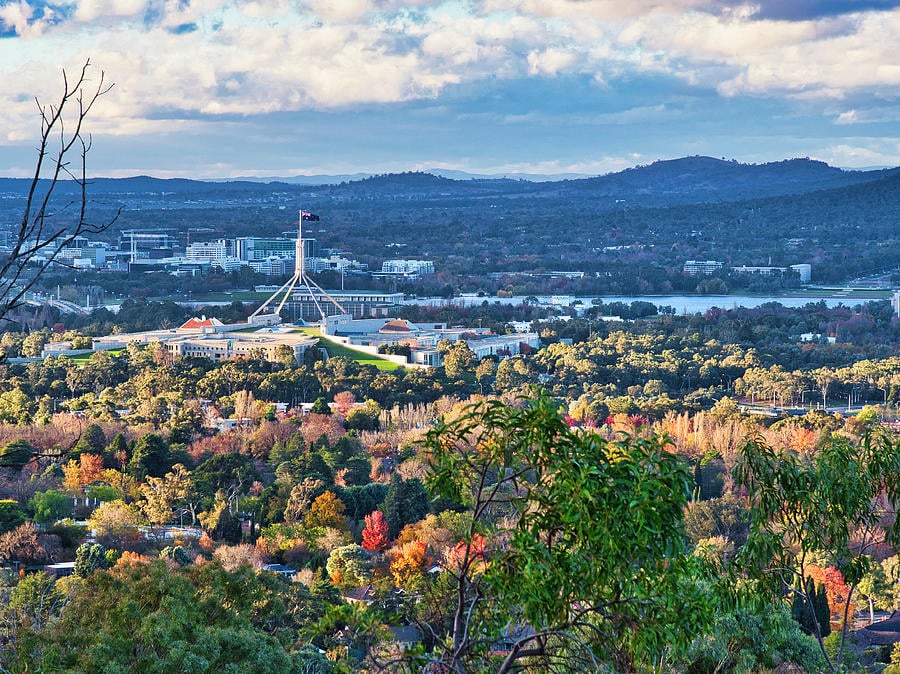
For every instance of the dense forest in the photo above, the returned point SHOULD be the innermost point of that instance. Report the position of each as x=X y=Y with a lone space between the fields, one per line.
x=665 y=493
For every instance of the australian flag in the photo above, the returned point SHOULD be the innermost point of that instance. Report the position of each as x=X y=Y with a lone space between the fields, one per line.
x=306 y=215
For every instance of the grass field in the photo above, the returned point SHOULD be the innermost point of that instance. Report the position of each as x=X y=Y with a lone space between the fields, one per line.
x=335 y=349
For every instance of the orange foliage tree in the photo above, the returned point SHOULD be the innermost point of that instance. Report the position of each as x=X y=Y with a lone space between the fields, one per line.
x=836 y=588
x=79 y=474
x=408 y=563
x=375 y=533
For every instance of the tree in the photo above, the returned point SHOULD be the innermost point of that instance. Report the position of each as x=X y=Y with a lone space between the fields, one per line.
x=839 y=502
x=49 y=506
x=92 y=441
x=326 y=510
x=301 y=497
x=26 y=546
x=320 y=406
x=116 y=523
x=593 y=553
x=458 y=359
x=162 y=494
x=812 y=614
x=406 y=502
x=16 y=454
x=79 y=473
x=408 y=562
x=34 y=601
x=90 y=557
x=349 y=566
x=11 y=515
x=151 y=456
x=148 y=617
x=375 y=534
x=44 y=231
x=220 y=522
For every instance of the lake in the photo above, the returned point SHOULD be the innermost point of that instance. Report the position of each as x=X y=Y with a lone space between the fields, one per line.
x=683 y=304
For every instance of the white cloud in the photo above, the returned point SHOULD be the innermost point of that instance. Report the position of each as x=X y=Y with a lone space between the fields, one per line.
x=862 y=153
x=549 y=61
x=265 y=56
x=91 y=10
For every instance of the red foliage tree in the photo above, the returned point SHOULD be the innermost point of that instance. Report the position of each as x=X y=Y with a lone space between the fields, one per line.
x=375 y=535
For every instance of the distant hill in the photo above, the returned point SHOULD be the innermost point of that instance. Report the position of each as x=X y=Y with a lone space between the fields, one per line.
x=662 y=183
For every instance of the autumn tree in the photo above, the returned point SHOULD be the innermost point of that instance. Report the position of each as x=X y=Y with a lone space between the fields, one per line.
x=116 y=524
x=83 y=471
x=163 y=494
x=26 y=545
x=327 y=510
x=408 y=564
x=375 y=534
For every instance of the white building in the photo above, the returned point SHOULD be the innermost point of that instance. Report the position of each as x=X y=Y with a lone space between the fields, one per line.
x=704 y=267
x=409 y=267
x=422 y=338
x=213 y=252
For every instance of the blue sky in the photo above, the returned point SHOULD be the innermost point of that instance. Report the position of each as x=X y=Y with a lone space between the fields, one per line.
x=225 y=88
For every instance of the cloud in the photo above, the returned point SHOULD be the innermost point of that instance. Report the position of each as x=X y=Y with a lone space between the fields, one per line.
x=549 y=61
x=870 y=115
x=862 y=153
x=179 y=63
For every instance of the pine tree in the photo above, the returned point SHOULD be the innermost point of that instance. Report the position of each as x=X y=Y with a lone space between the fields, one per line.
x=823 y=611
x=406 y=502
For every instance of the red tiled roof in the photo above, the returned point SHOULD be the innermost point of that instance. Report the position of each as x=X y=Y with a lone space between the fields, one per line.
x=395 y=325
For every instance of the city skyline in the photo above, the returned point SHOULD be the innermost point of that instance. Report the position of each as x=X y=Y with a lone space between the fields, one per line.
x=218 y=89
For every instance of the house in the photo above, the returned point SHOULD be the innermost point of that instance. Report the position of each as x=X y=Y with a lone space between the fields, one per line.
x=280 y=569
x=60 y=569
x=406 y=636
x=360 y=595
x=882 y=633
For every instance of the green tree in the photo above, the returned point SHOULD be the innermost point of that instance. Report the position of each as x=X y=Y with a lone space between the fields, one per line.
x=34 y=602
x=16 y=454
x=349 y=566
x=11 y=515
x=16 y=407
x=812 y=614
x=49 y=506
x=833 y=503
x=593 y=554
x=33 y=344
x=151 y=456
x=92 y=441
x=146 y=617
x=90 y=557
x=320 y=406
x=459 y=359
x=406 y=502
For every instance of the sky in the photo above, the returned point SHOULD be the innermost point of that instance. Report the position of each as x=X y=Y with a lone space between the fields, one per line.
x=230 y=88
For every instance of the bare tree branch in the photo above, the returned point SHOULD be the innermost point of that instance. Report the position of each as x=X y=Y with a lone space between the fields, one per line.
x=43 y=234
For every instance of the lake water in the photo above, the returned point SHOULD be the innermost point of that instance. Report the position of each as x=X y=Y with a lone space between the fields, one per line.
x=683 y=304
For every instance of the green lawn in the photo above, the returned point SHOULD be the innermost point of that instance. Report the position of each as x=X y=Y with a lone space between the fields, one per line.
x=335 y=349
